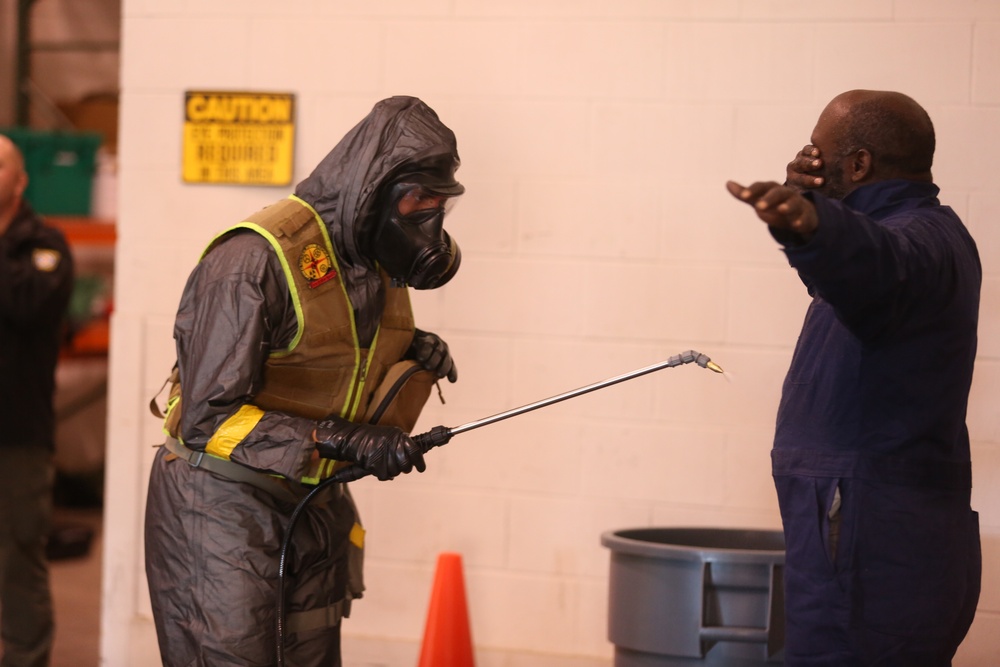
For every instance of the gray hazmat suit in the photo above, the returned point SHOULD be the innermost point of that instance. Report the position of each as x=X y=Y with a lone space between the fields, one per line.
x=212 y=543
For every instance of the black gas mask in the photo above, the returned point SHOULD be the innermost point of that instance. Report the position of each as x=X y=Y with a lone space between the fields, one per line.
x=409 y=240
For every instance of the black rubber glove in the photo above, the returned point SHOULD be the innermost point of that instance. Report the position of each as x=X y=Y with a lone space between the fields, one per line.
x=384 y=451
x=431 y=352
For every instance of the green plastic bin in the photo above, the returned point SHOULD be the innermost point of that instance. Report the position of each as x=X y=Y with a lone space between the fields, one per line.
x=60 y=168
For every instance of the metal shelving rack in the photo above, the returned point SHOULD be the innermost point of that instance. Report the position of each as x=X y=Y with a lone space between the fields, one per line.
x=25 y=47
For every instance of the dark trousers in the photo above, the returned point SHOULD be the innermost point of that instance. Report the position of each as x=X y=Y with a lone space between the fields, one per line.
x=890 y=578
x=26 y=625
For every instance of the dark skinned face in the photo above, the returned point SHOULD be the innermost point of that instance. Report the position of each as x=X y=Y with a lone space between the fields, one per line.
x=836 y=184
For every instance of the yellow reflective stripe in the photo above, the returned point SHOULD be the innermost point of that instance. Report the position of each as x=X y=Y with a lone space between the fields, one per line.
x=287 y=269
x=362 y=377
x=233 y=430
x=318 y=471
x=322 y=228
x=288 y=278
x=357 y=536
x=171 y=404
x=346 y=411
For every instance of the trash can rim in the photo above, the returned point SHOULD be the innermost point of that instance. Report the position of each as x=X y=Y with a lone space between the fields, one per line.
x=625 y=541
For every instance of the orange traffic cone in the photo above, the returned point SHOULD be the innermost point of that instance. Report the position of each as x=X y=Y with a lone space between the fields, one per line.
x=447 y=638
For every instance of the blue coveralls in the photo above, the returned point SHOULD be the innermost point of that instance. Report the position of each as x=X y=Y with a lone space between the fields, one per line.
x=871 y=454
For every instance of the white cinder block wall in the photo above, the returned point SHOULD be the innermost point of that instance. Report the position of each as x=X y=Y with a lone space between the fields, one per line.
x=597 y=237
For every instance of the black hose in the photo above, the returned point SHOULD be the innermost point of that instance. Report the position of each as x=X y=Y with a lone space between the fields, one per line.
x=437 y=436
x=343 y=475
x=441 y=435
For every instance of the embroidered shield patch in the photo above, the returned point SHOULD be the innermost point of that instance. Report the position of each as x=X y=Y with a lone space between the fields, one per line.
x=316 y=265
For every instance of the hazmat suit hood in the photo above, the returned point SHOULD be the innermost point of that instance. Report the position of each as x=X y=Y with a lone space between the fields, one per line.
x=400 y=136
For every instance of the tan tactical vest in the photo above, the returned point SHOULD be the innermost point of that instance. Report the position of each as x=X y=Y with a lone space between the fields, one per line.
x=323 y=371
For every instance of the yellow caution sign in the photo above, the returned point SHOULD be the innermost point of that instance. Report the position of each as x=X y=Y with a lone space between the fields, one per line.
x=238 y=137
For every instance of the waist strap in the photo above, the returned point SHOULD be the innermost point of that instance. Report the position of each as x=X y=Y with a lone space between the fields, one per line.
x=945 y=475
x=314 y=619
x=233 y=471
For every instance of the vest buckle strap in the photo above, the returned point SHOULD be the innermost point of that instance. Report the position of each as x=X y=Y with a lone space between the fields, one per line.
x=197 y=459
x=315 y=619
x=231 y=471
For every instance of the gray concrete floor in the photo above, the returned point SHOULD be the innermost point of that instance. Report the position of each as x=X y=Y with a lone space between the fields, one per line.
x=76 y=591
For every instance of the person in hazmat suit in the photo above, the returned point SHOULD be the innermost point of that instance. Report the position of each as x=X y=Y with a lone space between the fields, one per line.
x=296 y=354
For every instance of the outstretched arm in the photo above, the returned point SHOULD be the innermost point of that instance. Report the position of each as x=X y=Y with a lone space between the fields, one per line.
x=781 y=207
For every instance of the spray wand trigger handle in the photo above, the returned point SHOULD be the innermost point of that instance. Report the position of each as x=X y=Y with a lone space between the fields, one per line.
x=437 y=436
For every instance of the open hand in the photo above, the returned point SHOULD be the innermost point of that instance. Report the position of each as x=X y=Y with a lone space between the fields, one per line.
x=779 y=206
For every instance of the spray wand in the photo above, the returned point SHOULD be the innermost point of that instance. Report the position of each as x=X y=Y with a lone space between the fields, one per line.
x=441 y=435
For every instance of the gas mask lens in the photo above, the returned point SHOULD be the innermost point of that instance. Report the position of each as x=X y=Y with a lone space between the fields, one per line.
x=420 y=204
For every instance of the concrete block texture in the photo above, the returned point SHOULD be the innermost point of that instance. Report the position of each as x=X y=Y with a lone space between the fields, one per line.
x=596 y=139
x=985 y=56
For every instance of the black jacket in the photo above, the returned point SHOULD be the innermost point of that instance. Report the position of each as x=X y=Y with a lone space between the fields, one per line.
x=36 y=280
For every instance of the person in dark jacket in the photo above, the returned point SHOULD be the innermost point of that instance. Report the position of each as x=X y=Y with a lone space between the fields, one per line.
x=36 y=281
x=297 y=354
x=871 y=455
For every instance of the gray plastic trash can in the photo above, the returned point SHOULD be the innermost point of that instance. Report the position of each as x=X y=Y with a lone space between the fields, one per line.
x=696 y=596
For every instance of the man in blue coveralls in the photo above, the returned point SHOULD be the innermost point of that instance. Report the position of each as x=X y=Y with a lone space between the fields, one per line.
x=871 y=453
